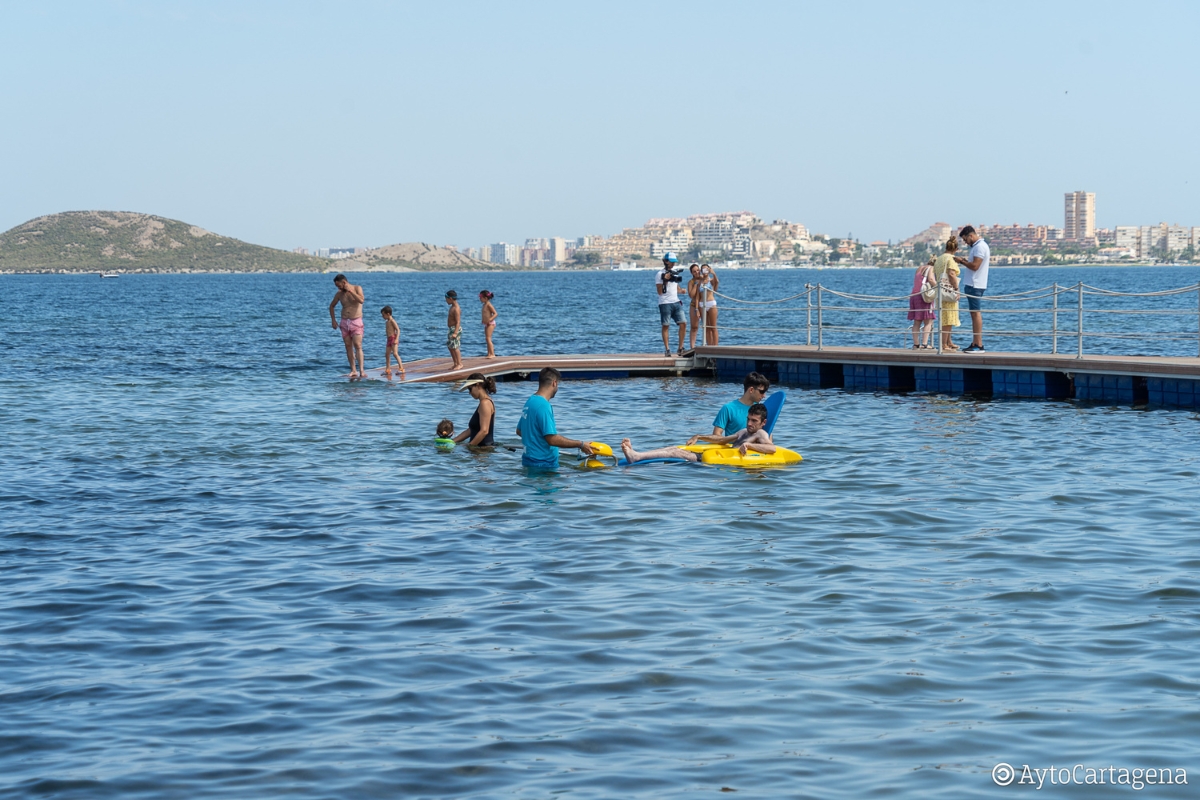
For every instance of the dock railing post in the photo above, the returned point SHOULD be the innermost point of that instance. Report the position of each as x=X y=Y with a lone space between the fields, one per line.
x=938 y=332
x=820 y=321
x=1079 y=289
x=808 y=313
x=1198 y=320
x=1054 y=322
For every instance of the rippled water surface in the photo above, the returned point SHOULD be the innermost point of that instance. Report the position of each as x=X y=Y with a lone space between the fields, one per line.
x=227 y=572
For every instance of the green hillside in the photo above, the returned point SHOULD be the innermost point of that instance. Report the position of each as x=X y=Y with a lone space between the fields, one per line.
x=123 y=241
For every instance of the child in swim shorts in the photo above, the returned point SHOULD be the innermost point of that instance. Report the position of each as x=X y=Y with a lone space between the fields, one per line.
x=392 y=329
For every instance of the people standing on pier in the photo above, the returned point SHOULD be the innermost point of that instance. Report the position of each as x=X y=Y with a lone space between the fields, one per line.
x=351 y=326
x=392 y=331
x=975 y=283
x=945 y=272
x=454 y=323
x=480 y=430
x=693 y=292
x=920 y=310
x=708 y=303
x=489 y=320
x=537 y=430
x=732 y=416
x=670 y=309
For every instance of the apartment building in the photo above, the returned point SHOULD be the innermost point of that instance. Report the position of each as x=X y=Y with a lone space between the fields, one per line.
x=558 y=250
x=1177 y=238
x=1080 y=216
x=504 y=253
x=1126 y=238
x=1015 y=237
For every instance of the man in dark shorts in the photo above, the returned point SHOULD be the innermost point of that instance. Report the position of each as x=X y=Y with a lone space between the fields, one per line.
x=975 y=283
x=670 y=309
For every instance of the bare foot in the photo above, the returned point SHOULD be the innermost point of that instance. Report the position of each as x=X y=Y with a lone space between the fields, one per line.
x=387 y=373
x=631 y=455
x=493 y=355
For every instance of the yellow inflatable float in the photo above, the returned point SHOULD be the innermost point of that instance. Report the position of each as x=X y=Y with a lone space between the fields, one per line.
x=714 y=454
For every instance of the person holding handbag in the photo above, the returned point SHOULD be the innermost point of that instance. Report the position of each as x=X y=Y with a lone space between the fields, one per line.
x=945 y=272
x=920 y=304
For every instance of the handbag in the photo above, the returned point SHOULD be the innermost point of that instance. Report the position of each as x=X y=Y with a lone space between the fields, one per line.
x=949 y=293
x=928 y=287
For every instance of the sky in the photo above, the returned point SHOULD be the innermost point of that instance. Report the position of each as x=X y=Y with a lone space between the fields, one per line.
x=369 y=123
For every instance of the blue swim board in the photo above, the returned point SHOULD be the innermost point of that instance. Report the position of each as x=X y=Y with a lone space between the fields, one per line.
x=774 y=404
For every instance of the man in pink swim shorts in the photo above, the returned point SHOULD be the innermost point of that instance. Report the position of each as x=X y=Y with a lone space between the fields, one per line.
x=351 y=297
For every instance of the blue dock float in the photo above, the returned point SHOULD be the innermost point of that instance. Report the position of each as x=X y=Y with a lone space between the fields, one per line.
x=1120 y=380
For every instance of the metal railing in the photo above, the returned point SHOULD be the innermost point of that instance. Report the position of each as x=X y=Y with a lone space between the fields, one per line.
x=857 y=319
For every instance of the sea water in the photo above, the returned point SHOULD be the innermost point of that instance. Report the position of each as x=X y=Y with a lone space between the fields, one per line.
x=226 y=571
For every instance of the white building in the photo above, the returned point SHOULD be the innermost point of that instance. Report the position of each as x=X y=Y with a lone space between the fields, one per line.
x=1125 y=237
x=558 y=251
x=504 y=253
x=1195 y=242
x=1177 y=238
x=1150 y=238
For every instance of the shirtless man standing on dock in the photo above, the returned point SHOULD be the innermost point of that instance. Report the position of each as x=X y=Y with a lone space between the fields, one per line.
x=351 y=297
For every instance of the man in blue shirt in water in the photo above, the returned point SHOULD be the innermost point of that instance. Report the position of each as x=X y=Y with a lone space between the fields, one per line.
x=537 y=429
x=732 y=416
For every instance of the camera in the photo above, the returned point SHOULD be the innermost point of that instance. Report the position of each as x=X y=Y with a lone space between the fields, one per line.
x=670 y=275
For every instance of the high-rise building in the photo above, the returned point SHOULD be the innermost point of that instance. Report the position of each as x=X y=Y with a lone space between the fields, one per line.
x=1080 y=213
x=1150 y=239
x=1177 y=239
x=504 y=253
x=1195 y=242
x=558 y=251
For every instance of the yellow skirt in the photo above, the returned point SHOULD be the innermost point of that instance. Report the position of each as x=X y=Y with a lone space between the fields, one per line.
x=950 y=315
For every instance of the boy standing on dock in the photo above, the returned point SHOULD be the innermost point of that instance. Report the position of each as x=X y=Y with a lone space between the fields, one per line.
x=975 y=283
x=454 y=323
x=351 y=297
x=537 y=429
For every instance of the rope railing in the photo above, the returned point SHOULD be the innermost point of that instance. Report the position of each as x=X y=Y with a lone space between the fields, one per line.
x=1058 y=303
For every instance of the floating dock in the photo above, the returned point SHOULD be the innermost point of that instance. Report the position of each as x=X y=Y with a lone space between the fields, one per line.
x=1159 y=381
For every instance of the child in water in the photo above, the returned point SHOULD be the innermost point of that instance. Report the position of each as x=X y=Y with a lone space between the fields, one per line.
x=392 y=329
x=445 y=435
x=754 y=437
x=489 y=320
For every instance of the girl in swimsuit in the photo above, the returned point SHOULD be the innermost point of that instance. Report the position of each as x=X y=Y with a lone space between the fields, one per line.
x=489 y=320
x=480 y=430
x=693 y=290
x=708 y=303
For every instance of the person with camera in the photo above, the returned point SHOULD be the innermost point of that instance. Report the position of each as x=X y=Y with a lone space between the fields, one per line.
x=670 y=309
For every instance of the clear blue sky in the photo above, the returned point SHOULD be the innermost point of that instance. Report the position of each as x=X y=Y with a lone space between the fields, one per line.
x=340 y=124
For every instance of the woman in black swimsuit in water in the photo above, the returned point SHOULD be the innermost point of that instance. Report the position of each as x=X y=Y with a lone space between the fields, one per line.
x=480 y=430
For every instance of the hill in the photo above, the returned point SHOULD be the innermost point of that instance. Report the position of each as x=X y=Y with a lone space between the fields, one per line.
x=112 y=241
x=415 y=256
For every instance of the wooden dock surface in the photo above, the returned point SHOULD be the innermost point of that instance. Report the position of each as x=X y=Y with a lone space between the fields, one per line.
x=440 y=370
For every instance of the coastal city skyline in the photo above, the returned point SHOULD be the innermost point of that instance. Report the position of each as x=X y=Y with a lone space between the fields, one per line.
x=742 y=236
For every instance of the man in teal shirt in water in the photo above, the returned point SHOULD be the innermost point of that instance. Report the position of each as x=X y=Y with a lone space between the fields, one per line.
x=732 y=416
x=537 y=429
